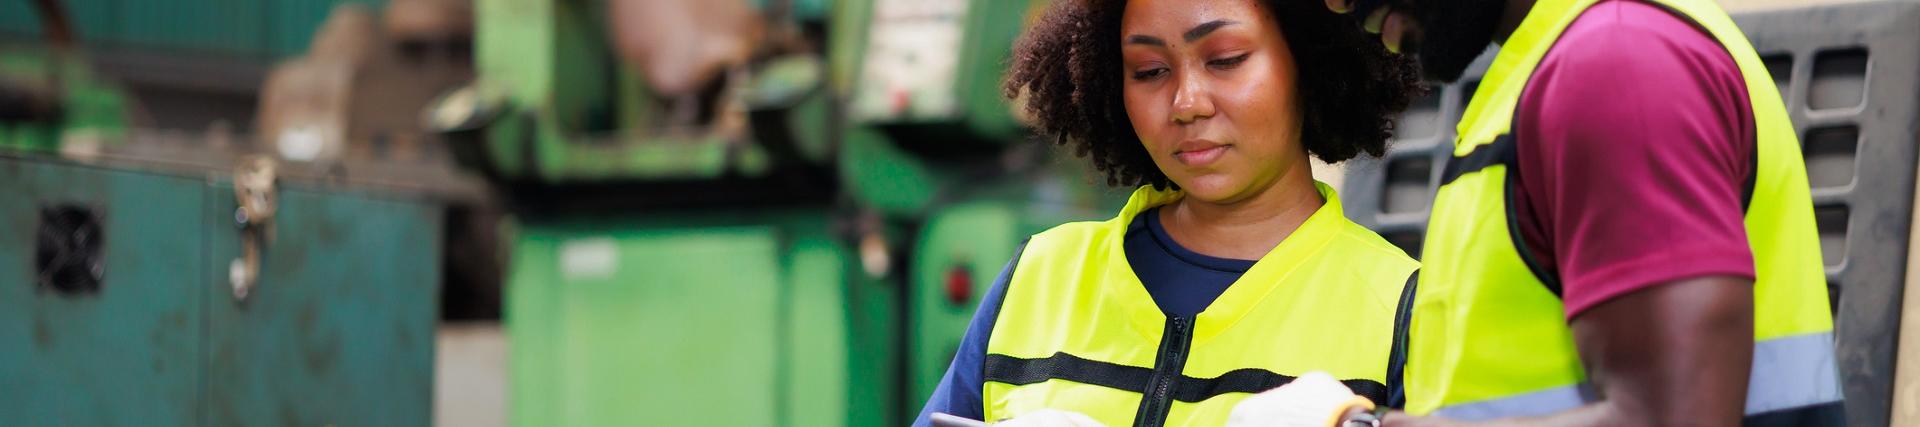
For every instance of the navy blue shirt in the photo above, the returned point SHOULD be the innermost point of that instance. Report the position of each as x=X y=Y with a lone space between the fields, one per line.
x=1182 y=282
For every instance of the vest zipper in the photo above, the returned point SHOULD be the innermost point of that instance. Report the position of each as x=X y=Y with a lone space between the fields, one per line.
x=1172 y=359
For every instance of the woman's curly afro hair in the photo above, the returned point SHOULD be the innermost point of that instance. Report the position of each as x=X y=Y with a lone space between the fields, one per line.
x=1068 y=65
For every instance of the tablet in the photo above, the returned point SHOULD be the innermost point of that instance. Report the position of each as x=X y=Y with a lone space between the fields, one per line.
x=942 y=419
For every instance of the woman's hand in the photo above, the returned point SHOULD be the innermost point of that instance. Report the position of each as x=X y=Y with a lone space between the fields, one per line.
x=1313 y=400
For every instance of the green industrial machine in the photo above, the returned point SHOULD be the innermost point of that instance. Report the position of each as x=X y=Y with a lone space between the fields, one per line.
x=805 y=249
x=932 y=146
x=553 y=107
x=130 y=296
x=168 y=278
x=670 y=270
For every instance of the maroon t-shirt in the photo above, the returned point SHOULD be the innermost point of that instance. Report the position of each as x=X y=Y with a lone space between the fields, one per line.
x=1635 y=141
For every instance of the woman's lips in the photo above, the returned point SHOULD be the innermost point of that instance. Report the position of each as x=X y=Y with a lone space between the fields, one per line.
x=1199 y=153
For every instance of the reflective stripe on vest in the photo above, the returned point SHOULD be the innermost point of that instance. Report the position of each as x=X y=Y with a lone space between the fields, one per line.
x=1077 y=331
x=1778 y=381
x=1490 y=338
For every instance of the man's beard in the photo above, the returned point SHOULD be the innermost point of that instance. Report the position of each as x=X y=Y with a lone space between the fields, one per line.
x=1453 y=34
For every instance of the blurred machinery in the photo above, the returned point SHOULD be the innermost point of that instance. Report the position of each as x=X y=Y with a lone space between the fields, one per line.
x=138 y=298
x=166 y=277
x=665 y=267
x=727 y=212
x=355 y=98
x=1849 y=73
x=769 y=213
x=187 y=63
x=50 y=94
x=365 y=80
x=931 y=149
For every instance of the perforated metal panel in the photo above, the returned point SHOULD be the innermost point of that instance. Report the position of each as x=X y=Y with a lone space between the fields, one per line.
x=1850 y=76
x=1392 y=194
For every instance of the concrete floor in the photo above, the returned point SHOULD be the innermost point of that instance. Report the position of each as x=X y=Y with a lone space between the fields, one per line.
x=470 y=375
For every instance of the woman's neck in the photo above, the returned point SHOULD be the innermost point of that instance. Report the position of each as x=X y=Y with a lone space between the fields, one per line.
x=1249 y=227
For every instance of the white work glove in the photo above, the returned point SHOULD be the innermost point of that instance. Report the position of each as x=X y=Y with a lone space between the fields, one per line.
x=1313 y=400
x=1050 y=418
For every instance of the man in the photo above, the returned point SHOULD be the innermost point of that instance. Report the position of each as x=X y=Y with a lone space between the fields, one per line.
x=1624 y=234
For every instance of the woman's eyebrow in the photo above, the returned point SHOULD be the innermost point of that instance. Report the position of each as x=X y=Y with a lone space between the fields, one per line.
x=1195 y=33
x=1146 y=40
x=1202 y=30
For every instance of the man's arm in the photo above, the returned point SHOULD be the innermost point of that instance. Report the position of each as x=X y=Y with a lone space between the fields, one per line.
x=1674 y=354
x=1636 y=146
x=1670 y=355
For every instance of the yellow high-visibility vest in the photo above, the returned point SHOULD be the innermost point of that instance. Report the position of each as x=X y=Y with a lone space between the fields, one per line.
x=1078 y=332
x=1490 y=338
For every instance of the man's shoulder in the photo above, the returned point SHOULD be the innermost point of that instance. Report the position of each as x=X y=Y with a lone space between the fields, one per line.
x=1628 y=31
x=1622 y=55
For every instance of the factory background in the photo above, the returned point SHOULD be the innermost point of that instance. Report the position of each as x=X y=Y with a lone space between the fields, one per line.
x=656 y=212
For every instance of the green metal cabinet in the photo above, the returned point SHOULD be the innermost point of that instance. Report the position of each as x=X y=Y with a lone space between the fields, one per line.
x=959 y=253
x=670 y=272
x=338 y=331
x=129 y=353
x=962 y=247
x=724 y=317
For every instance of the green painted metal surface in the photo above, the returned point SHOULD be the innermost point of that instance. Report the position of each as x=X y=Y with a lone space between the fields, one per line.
x=975 y=239
x=846 y=45
x=695 y=318
x=670 y=340
x=817 y=334
x=976 y=236
x=129 y=354
x=265 y=29
x=886 y=178
x=573 y=114
x=886 y=84
x=339 y=330
x=992 y=29
x=895 y=160
x=233 y=26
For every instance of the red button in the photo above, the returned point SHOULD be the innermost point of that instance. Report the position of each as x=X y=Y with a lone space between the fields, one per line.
x=959 y=285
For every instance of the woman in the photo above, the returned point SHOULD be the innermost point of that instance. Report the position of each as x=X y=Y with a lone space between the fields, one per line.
x=1230 y=270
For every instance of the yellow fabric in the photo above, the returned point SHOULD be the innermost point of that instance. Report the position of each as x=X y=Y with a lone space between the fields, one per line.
x=1486 y=328
x=1323 y=299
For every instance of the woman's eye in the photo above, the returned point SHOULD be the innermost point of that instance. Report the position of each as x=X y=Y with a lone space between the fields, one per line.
x=1228 y=63
x=1149 y=73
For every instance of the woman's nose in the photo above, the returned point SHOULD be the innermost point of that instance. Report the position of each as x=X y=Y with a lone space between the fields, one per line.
x=1192 y=100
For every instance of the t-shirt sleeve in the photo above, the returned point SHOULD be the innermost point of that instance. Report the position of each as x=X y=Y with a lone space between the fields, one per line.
x=1636 y=144
x=959 y=390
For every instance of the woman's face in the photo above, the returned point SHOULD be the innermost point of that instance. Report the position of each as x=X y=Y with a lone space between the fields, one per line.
x=1210 y=91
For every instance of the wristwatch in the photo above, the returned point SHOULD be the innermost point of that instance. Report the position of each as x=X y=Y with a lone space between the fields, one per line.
x=1363 y=419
